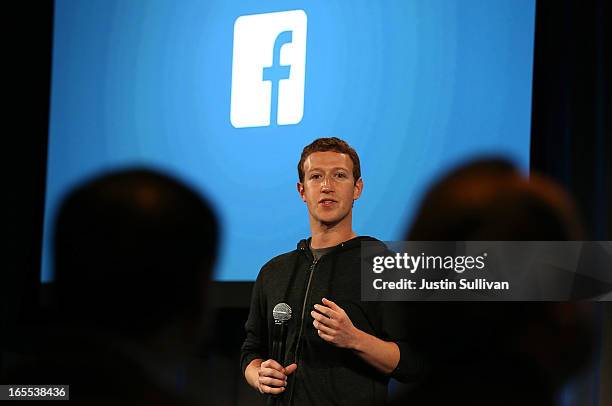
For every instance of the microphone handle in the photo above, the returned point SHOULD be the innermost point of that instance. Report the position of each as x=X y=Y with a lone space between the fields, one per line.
x=278 y=345
x=279 y=337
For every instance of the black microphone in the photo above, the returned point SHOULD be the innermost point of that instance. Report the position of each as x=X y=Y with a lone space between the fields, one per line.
x=281 y=314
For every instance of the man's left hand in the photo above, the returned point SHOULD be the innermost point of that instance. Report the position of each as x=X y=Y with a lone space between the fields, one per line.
x=334 y=325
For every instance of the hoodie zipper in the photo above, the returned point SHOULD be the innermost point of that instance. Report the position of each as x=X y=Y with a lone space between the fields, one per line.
x=299 y=338
x=306 y=296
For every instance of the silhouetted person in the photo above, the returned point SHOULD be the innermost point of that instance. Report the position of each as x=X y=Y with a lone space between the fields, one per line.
x=493 y=352
x=134 y=252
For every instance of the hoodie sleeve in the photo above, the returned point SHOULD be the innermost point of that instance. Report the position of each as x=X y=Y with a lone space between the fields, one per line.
x=396 y=327
x=256 y=342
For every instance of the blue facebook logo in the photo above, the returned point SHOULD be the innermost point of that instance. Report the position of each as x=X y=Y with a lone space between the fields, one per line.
x=268 y=69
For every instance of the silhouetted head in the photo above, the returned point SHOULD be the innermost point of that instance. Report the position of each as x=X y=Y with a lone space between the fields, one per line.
x=134 y=250
x=490 y=199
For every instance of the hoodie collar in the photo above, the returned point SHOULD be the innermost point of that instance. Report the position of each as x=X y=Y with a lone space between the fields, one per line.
x=304 y=245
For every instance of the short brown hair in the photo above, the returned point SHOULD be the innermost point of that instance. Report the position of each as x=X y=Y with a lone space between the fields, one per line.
x=330 y=144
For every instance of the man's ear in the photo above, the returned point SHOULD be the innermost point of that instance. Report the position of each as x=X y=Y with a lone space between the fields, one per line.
x=357 y=189
x=300 y=189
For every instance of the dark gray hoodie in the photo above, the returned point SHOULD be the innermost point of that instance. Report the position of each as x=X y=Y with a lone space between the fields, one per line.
x=326 y=375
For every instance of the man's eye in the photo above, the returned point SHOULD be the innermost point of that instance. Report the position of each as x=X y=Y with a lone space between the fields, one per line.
x=315 y=176
x=341 y=175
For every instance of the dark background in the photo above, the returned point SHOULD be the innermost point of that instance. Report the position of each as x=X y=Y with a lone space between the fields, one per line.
x=571 y=141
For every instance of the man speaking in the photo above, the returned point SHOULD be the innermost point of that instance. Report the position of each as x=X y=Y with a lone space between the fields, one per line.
x=338 y=350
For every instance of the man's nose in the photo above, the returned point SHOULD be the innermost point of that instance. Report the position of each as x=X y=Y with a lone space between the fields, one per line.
x=326 y=185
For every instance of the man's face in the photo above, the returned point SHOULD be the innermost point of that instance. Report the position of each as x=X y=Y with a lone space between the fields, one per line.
x=329 y=188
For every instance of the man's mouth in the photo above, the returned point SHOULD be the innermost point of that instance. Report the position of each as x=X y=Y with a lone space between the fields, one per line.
x=327 y=202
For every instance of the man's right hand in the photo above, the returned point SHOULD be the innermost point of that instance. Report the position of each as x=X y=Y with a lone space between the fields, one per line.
x=268 y=376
